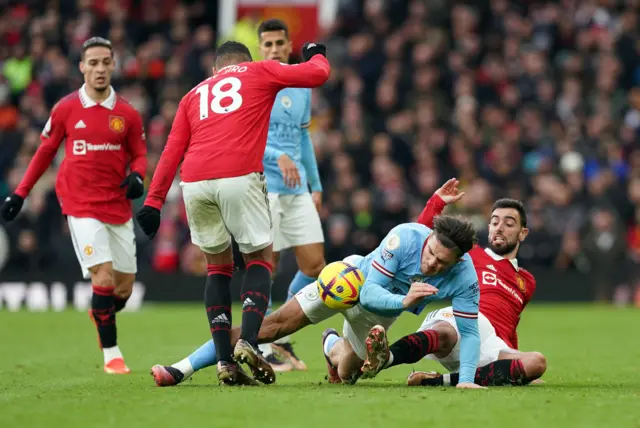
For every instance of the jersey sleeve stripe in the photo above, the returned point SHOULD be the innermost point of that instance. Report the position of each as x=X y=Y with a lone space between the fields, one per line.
x=305 y=125
x=382 y=270
x=465 y=314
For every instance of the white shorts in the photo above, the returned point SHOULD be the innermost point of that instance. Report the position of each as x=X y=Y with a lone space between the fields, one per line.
x=295 y=221
x=358 y=321
x=490 y=344
x=226 y=207
x=96 y=242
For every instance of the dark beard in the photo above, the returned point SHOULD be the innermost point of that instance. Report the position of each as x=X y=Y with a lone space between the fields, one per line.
x=101 y=90
x=504 y=249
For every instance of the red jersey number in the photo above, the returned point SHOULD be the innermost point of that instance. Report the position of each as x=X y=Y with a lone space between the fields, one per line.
x=221 y=90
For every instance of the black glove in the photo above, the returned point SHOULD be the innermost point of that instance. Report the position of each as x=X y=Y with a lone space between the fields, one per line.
x=311 y=49
x=149 y=220
x=11 y=207
x=134 y=184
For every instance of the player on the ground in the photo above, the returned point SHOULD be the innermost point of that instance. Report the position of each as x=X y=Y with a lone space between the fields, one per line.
x=505 y=290
x=290 y=168
x=404 y=273
x=104 y=166
x=221 y=129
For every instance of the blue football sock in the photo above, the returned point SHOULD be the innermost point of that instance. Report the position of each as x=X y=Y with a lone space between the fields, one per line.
x=298 y=283
x=204 y=356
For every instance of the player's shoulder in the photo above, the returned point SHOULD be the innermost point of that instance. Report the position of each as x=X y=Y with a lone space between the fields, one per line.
x=411 y=232
x=70 y=100
x=125 y=107
x=525 y=274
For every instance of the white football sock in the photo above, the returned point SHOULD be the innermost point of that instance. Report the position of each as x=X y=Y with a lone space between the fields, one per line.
x=265 y=348
x=111 y=353
x=446 y=379
x=283 y=340
x=185 y=367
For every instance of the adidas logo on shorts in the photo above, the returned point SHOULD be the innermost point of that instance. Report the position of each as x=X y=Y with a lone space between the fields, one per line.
x=247 y=302
x=220 y=319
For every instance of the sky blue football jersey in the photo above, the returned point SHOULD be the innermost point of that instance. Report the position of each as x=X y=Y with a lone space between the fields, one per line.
x=288 y=133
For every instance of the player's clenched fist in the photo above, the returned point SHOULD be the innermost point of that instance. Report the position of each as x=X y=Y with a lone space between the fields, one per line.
x=149 y=220
x=134 y=185
x=417 y=292
x=11 y=207
x=311 y=49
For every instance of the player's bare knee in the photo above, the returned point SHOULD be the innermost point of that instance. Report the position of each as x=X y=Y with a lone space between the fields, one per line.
x=124 y=284
x=535 y=364
x=224 y=257
x=447 y=338
x=102 y=275
x=263 y=255
x=313 y=268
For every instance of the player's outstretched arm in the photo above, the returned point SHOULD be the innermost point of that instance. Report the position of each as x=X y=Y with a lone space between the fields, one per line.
x=308 y=155
x=149 y=215
x=51 y=138
x=310 y=74
x=445 y=195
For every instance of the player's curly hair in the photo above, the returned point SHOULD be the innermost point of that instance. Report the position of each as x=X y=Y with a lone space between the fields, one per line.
x=455 y=233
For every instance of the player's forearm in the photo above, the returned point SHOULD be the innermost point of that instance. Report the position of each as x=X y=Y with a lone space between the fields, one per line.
x=272 y=154
x=38 y=165
x=435 y=205
x=377 y=299
x=469 y=348
x=139 y=164
x=309 y=162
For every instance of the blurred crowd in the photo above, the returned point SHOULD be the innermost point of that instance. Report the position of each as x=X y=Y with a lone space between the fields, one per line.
x=534 y=100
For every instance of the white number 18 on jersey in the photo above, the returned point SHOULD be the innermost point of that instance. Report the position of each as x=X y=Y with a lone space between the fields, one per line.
x=219 y=95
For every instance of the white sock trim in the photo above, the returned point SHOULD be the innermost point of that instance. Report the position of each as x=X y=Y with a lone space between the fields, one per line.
x=111 y=353
x=283 y=340
x=185 y=367
x=265 y=348
x=446 y=379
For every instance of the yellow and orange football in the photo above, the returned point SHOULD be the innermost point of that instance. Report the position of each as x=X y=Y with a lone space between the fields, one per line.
x=339 y=285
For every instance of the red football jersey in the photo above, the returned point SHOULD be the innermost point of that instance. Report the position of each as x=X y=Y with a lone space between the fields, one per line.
x=505 y=288
x=101 y=141
x=221 y=125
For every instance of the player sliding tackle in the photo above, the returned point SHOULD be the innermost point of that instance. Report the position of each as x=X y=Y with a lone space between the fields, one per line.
x=414 y=265
x=220 y=129
x=505 y=290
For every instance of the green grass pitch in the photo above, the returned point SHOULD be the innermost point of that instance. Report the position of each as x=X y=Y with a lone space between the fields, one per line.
x=51 y=376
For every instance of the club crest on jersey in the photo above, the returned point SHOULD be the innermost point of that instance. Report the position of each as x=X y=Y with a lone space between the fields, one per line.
x=88 y=250
x=116 y=123
x=521 y=283
x=393 y=243
x=286 y=101
x=415 y=278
